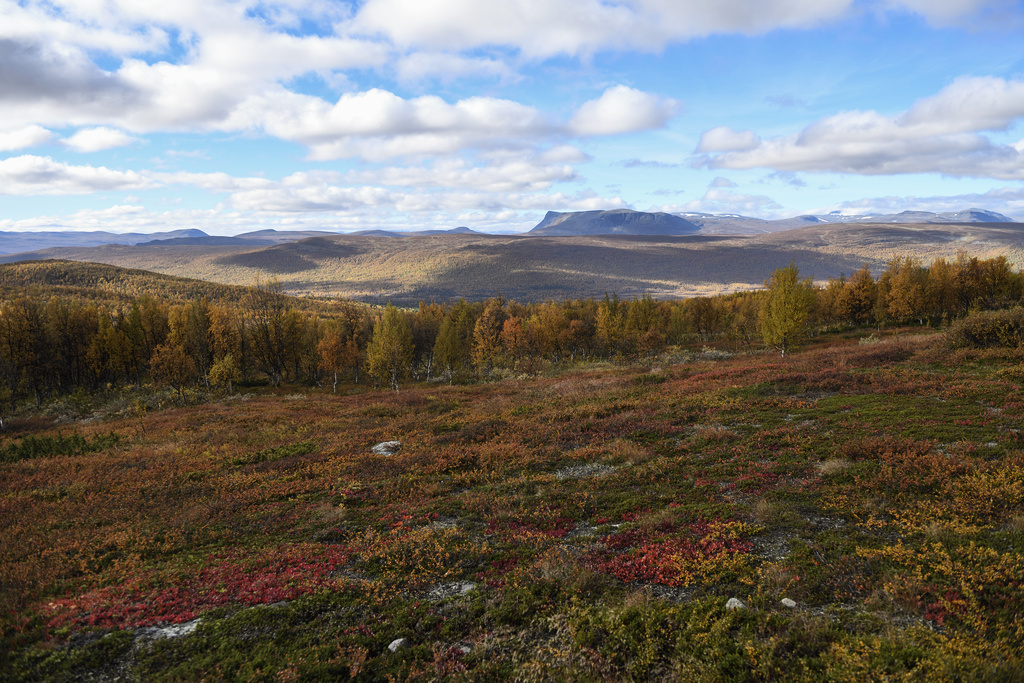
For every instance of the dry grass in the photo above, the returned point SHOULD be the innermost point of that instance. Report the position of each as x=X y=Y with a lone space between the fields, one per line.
x=833 y=466
x=773 y=513
x=621 y=450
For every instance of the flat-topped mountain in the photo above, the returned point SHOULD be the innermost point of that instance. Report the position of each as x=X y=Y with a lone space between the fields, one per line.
x=613 y=222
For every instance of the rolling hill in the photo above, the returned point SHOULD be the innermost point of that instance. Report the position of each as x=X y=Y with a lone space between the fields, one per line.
x=406 y=269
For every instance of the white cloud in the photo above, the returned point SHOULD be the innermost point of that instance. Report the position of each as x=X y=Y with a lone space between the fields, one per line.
x=725 y=139
x=202 y=65
x=214 y=31
x=55 y=83
x=89 y=25
x=345 y=200
x=97 y=139
x=504 y=183
x=447 y=67
x=34 y=175
x=311 y=198
x=376 y=125
x=29 y=136
x=525 y=174
x=543 y=28
x=720 y=199
x=563 y=154
x=622 y=109
x=938 y=134
x=215 y=182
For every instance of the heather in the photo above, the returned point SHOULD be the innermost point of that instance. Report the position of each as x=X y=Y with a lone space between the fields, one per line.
x=587 y=523
x=753 y=487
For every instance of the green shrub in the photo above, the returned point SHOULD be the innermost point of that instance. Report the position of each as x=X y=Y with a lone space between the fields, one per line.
x=47 y=446
x=987 y=330
x=278 y=453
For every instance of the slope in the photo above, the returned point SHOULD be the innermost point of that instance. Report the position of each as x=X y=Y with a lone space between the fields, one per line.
x=406 y=269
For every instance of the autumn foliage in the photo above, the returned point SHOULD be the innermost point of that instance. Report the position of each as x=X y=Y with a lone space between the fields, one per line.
x=577 y=519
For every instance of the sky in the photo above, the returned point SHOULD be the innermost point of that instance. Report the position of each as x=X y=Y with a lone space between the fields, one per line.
x=233 y=116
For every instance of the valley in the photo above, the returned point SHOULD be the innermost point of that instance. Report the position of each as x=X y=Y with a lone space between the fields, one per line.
x=405 y=269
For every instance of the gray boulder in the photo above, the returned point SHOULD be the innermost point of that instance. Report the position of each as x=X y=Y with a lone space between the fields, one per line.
x=387 y=447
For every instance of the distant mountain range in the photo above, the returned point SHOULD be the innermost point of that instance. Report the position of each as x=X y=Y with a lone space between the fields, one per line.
x=734 y=224
x=17 y=242
x=20 y=242
x=554 y=224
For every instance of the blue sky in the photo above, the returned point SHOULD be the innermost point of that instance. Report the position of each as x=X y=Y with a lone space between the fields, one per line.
x=140 y=116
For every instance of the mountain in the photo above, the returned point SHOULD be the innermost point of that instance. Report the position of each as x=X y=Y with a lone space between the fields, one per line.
x=613 y=222
x=208 y=240
x=17 y=242
x=406 y=233
x=965 y=216
x=735 y=224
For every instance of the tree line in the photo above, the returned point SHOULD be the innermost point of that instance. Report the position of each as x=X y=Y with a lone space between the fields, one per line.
x=56 y=346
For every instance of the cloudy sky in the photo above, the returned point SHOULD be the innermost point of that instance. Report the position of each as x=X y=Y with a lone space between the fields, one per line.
x=229 y=116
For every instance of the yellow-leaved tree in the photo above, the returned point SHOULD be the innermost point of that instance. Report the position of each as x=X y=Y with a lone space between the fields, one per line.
x=390 y=353
x=785 y=308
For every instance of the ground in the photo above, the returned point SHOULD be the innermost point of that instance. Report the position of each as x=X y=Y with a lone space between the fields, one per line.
x=587 y=524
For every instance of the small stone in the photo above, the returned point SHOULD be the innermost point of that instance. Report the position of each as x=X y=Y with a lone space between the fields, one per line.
x=734 y=604
x=787 y=602
x=450 y=590
x=387 y=447
x=398 y=643
x=465 y=648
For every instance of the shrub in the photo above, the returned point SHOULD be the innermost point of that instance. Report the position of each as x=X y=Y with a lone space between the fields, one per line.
x=46 y=446
x=985 y=330
x=278 y=453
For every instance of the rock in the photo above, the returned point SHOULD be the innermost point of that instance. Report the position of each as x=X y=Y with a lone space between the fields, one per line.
x=170 y=631
x=387 y=447
x=450 y=590
x=787 y=602
x=734 y=604
x=397 y=644
x=583 y=471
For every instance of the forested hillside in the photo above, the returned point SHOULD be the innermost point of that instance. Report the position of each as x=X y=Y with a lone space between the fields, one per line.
x=67 y=326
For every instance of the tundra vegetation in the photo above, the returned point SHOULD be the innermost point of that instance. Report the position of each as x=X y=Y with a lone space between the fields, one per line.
x=581 y=487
